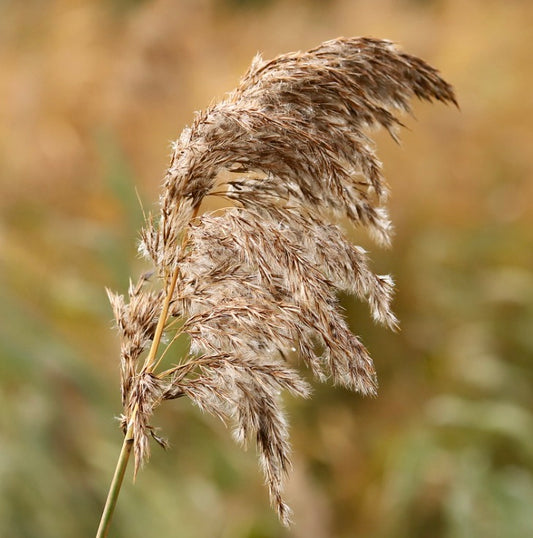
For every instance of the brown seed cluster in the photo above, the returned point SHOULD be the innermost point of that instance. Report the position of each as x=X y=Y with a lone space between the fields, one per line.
x=255 y=286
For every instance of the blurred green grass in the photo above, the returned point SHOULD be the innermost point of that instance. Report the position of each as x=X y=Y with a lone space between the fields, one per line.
x=89 y=97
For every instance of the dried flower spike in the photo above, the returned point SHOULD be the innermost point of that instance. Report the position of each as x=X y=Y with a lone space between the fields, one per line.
x=255 y=286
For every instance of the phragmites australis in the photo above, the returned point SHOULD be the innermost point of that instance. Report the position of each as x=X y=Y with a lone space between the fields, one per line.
x=255 y=285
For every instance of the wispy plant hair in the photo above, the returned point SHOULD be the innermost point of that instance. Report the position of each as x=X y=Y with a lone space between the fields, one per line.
x=255 y=285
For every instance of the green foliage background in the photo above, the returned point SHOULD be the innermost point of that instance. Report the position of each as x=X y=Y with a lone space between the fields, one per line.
x=91 y=92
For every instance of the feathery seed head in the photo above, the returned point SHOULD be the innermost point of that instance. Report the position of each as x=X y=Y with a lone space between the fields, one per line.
x=258 y=281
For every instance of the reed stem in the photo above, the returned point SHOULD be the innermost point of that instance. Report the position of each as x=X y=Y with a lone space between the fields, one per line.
x=123 y=459
x=114 y=488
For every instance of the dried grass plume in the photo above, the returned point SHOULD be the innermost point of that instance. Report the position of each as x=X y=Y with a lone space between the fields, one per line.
x=254 y=286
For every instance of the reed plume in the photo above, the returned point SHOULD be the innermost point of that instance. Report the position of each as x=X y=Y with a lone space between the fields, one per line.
x=254 y=286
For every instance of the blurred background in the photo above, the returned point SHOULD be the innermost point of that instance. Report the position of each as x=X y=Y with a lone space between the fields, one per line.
x=91 y=94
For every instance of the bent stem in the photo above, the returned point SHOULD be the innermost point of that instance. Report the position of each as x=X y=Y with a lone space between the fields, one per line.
x=149 y=365
x=122 y=463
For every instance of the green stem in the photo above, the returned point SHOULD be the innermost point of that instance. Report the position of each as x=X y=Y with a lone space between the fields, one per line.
x=149 y=365
x=114 y=488
x=124 y=457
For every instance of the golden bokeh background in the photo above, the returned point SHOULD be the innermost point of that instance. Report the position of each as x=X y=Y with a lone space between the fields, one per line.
x=91 y=94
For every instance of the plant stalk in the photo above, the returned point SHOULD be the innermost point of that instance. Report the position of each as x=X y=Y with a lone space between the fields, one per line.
x=149 y=365
x=114 y=488
x=122 y=463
